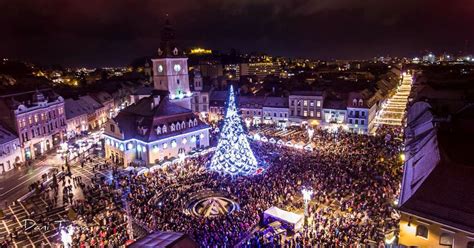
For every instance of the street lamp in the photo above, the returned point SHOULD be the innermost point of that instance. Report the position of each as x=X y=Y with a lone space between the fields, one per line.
x=307 y=193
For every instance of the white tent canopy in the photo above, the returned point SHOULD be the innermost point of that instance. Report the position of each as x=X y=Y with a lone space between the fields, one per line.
x=289 y=218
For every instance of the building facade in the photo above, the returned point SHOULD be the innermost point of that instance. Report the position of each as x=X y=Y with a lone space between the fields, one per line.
x=38 y=118
x=334 y=115
x=10 y=152
x=360 y=113
x=275 y=111
x=305 y=107
x=153 y=130
x=251 y=108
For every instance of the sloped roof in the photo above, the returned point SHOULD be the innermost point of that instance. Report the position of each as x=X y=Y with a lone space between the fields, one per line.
x=334 y=104
x=437 y=181
x=307 y=93
x=276 y=102
x=6 y=135
x=74 y=108
x=145 y=114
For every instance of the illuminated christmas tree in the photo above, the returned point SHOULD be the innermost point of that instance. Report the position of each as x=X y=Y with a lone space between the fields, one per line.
x=233 y=154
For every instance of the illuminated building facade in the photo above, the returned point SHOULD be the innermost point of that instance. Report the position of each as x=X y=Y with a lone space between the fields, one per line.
x=170 y=70
x=306 y=107
x=10 y=152
x=152 y=130
x=361 y=113
x=37 y=117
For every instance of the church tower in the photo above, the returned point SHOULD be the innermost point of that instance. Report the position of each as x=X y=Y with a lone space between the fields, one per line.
x=170 y=69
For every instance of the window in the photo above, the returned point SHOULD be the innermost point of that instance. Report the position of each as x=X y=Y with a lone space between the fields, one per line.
x=195 y=122
x=356 y=121
x=204 y=99
x=112 y=128
x=361 y=102
x=318 y=103
x=350 y=121
x=354 y=102
x=318 y=114
x=311 y=113
x=292 y=112
x=422 y=231
x=305 y=103
x=158 y=130
x=163 y=129
x=275 y=115
x=362 y=122
x=177 y=81
x=311 y=103
x=292 y=102
x=446 y=239
x=362 y=113
x=305 y=113
x=190 y=123
x=178 y=126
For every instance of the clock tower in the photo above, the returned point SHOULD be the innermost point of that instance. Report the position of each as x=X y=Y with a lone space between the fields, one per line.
x=170 y=69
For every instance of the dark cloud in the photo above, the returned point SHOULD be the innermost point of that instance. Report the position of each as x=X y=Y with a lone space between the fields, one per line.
x=102 y=32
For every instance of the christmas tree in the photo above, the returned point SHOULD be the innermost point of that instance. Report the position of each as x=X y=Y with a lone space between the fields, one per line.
x=233 y=154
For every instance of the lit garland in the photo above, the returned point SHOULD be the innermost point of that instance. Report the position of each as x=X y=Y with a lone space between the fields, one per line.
x=233 y=154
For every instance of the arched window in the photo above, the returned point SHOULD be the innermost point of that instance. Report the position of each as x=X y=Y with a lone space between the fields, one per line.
x=163 y=129
x=183 y=125
x=354 y=102
x=422 y=231
x=361 y=102
x=178 y=126
x=158 y=130
x=172 y=127
x=195 y=122
x=190 y=123
x=446 y=239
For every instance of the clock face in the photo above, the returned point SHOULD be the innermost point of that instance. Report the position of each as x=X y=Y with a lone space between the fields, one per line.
x=177 y=67
x=160 y=68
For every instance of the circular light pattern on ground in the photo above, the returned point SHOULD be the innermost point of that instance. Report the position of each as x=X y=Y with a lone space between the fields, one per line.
x=212 y=206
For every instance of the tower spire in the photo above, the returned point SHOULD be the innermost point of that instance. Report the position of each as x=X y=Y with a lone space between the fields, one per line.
x=168 y=47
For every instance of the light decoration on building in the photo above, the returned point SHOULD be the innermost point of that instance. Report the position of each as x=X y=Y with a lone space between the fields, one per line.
x=184 y=141
x=156 y=148
x=233 y=154
x=193 y=139
x=173 y=143
x=121 y=147
x=165 y=145
x=201 y=136
x=129 y=146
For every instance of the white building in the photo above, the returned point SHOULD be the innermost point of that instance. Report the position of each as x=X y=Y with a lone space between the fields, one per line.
x=334 y=114
x=361 y=111
x=10 y=152
x=275 y=111
x=306 y=107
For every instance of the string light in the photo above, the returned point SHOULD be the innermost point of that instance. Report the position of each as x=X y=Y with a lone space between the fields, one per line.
x=233 y=154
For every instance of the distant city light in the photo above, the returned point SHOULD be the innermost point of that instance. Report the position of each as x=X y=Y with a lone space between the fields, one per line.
x=200 y=51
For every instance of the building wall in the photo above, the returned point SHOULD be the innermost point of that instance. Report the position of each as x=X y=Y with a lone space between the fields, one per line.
x=200 y=102
x=129 y=151
x=305 y=109
x=408 y=235
x=252 y=115
x=76 y=125
x=10 y=154
x=276 y=116
x=40 y=128
x=361 y=120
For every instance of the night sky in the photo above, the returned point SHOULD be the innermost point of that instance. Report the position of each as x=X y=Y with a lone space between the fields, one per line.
x=114 y=32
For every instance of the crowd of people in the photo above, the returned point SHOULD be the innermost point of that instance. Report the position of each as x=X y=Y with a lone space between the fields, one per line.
x=355 y=179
